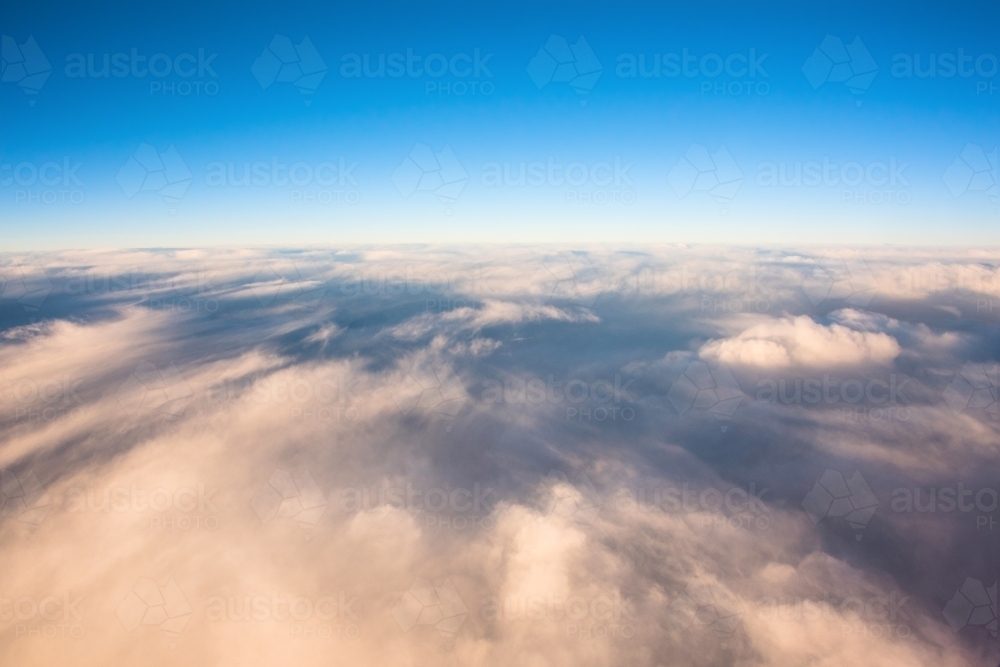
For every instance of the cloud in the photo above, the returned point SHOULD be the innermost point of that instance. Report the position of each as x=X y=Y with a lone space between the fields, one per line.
x=571 y=535
x=802 y=342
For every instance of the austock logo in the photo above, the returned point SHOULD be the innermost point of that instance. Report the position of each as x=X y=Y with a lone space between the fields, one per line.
x=974 y=170
x=707 y=387
x=973 y=605
x=850 y=281
x=700 y=171
x=430 y=388
x=577 y=501
x=287 y=495
x=707 y=605
x=23 y=279
x=436 y=604
x=835 y=62
x=150 y=171
x=424 y=170
x=833 y=496
x=149 y=388
x=23 y=498
x=149 y=604
x=975 y=387
x=559 y=62
x=24 y=65
x=283 y=62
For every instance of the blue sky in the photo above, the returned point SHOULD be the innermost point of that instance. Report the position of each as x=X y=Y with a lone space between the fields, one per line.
x=517 y=107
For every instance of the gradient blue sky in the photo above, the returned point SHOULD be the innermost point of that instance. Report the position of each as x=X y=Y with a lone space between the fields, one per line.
x=375 y=122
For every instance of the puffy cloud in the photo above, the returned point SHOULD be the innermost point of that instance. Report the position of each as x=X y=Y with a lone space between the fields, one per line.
x=800 y=341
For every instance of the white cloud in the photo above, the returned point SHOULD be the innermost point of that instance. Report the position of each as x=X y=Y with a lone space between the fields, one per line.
x=802 y=342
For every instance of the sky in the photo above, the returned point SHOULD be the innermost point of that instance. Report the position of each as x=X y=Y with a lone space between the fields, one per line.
x=741 y=96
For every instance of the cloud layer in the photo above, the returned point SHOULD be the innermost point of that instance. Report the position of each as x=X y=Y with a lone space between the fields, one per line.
x=496 y=457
